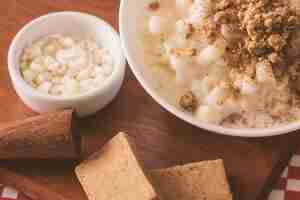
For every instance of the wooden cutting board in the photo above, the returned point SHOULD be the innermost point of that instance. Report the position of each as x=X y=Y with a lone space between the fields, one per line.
x=252 y=164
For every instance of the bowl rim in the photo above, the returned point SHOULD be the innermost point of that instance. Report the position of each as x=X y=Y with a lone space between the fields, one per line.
x=18 y=80
x=244 y=132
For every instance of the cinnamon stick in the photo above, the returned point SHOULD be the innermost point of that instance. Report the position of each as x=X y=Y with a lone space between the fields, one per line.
x=28 y=187
x=47 y=136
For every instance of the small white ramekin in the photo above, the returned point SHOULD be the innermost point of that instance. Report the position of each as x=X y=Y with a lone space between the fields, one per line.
x=75 y=24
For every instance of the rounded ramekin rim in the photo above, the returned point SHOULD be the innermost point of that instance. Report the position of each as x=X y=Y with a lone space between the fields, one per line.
x=119 y=68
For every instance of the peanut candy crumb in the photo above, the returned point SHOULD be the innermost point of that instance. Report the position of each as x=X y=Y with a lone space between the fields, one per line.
x=189 y=102
x=154 y=6
x=184 y=52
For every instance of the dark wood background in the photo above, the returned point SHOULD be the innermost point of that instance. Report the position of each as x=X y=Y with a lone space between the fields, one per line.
x=252 y=164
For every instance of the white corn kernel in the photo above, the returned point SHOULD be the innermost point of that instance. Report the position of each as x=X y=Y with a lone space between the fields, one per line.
x=201 y=88
x=29 y=75
x=52 y=64
x=35 y=52
x=209 y=114
x=37 y=67
x=209 y=56
x=178 y=64
x=183 y=4
x=68 y=42
x=183 y=28
x=215 y=97
x=43 y=77
x=158 y=25
x=84 y=74
x=229 y=107
x=217 y=70
x=57 y=89
x=248 y=86
x=198 y=45
x=50 y=49
x=56 y=80
x=45 y=87
x=78 y=63
x=170 y=44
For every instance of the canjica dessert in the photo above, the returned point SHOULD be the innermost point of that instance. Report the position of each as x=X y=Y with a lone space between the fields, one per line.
x=64 y=66
x=234 y=63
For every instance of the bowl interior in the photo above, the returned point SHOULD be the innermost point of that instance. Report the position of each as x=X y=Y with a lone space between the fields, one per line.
x=74 y=24
x=132 y=15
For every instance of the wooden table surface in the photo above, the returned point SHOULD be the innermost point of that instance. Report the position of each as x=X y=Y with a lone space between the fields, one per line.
x=252 y=164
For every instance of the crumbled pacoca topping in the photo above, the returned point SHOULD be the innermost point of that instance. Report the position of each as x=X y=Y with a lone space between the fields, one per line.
x=154 y=6
x=238 y=58
x=62 y=66
x=265 y=28
x=189 y=102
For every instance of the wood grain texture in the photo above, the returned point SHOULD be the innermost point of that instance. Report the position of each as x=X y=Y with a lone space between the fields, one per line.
x=252 y=164
x=31 y=189
x=48 y=136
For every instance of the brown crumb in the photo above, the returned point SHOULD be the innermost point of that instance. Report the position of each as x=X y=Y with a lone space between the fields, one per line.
x=275 y=58
x=255 y=28
x=154 y=6
x=189 y=102
x=184 y=52
x=256 y=48
x=208 y=30
x=190 y=31
x=277 y=42
x=233 y=118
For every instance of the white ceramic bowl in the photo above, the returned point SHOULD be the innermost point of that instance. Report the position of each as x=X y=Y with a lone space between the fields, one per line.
x=75 y=24
x=129 y=18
